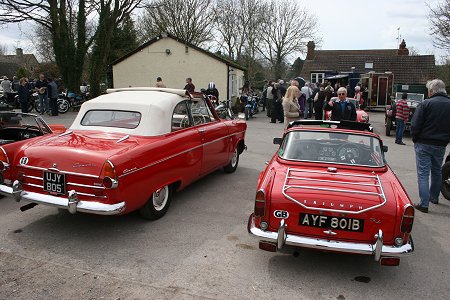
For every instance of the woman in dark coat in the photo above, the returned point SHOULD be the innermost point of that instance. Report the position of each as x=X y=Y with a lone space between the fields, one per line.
x=319 y=100
x=24 y=94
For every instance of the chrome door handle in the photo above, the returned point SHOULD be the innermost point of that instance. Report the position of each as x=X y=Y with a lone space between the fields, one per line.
x=201 y=130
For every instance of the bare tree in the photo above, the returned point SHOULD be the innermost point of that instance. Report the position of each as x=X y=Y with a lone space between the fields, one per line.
x=287 y=31
x=228 y=27
x=65 y=20
x=439 y=18
x=189 y=20
x=110 y=14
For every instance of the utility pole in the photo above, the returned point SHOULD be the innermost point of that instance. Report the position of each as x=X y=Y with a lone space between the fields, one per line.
x=398 y=36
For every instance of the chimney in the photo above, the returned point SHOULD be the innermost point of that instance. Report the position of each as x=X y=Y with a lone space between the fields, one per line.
x=19 y=51
x=402 y=50
x=311 y=46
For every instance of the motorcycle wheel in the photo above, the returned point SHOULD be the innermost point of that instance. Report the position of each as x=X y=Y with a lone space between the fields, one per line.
x=445 y=189
x=37 y=106
x=63 y=106
x=247 y=113
x=30 y=106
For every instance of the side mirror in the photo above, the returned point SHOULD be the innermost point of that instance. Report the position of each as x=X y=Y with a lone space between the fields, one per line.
x=277 y=141
x=385 y=149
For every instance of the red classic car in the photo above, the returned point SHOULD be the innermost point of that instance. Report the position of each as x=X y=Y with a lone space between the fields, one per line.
x=331 y=189
x=126 y=150
x=361 y=115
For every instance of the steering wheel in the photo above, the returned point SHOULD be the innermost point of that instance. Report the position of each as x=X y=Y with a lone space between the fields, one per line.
x=184 y=122
x=349 y=154
x=34 y=127
x=199 y=119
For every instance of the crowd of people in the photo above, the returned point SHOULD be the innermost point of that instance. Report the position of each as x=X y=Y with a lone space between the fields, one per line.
x=46 y=88
x=293 y=102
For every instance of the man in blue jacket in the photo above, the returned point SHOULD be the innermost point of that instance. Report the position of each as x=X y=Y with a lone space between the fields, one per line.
x=430 y=131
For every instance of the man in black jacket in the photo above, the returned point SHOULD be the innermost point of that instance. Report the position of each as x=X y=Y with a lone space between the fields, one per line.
x=430 y=131
x=342 y=109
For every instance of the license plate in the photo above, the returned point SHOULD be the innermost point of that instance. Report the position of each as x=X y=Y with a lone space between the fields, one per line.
x=54 y=183
x=329 y=222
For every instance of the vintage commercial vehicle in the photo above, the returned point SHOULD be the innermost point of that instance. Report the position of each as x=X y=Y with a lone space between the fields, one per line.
x=413 y=101
x=331 y=189
x=361 y=115
x=127 y=150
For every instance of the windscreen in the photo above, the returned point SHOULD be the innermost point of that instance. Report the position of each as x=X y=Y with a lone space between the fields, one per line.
x=332 y=147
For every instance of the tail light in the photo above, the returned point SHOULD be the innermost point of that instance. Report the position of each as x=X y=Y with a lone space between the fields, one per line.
x=109 y=175
x=407 y=219
x=4 y=161
x=260 y=203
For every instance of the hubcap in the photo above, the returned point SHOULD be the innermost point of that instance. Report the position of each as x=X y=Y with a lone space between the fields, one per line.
x=160 y=198
x=234 y=158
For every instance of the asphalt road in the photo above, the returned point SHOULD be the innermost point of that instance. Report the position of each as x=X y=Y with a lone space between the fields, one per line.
x=201 y=248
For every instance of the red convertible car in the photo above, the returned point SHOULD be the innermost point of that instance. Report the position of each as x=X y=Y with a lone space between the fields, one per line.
x=127 y=150
x=361 y=115
x=331 y=189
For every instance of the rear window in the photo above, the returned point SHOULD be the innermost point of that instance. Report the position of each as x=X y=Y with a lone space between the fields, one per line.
x=112 y=118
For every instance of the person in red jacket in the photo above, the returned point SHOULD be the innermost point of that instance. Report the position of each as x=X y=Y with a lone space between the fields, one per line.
x=401 y=117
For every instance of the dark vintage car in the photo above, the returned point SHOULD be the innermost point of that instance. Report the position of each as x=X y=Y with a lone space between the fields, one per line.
x=16 y=126
x=412 y=101
x=331 y=189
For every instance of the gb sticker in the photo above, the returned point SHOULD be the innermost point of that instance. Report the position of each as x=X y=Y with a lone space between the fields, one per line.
x=281 y=214
x=24 y=160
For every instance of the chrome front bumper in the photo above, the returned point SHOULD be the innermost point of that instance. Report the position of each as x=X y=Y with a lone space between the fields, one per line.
x=71 y=203
x=377 y=249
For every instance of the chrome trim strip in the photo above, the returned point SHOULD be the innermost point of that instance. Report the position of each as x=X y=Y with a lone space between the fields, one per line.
x=62 y=202
x=376 y=185
x=79 y=193
x=123 y=139
x=329 y=245
x=86 y=185
x=66 y=133
x=68 y=183
x=64 y=172
x=177 y=154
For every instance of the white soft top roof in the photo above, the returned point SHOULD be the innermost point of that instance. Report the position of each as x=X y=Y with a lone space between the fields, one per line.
x=155 y=105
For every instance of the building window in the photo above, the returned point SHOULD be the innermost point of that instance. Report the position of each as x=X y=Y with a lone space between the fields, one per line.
x=233 y=85
x=368 y=65
x=317 y=77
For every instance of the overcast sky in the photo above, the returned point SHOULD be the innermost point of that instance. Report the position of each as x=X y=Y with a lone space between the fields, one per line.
x=349 y=24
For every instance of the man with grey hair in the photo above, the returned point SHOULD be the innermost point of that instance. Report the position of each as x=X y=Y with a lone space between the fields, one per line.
x=342 y=108
x=430 y=131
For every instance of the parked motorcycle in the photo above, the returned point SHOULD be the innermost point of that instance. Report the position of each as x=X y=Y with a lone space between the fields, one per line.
x=251 y=105
x=11 y=100
x=62 y=103
x=224 y=110
x=445 y=189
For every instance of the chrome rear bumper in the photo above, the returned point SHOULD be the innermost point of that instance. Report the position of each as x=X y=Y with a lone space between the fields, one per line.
x=280 y=238
x=71 y=203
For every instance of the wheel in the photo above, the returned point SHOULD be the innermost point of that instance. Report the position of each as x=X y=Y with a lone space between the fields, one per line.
x=63 y=106
x=37 y=106
x=30 y=106
x=158 y=204
x=388 y=126
x=445 y=189
x=246 y=112
x=232 y=165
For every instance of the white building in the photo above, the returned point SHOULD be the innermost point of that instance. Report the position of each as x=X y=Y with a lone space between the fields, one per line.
x=174 y=60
